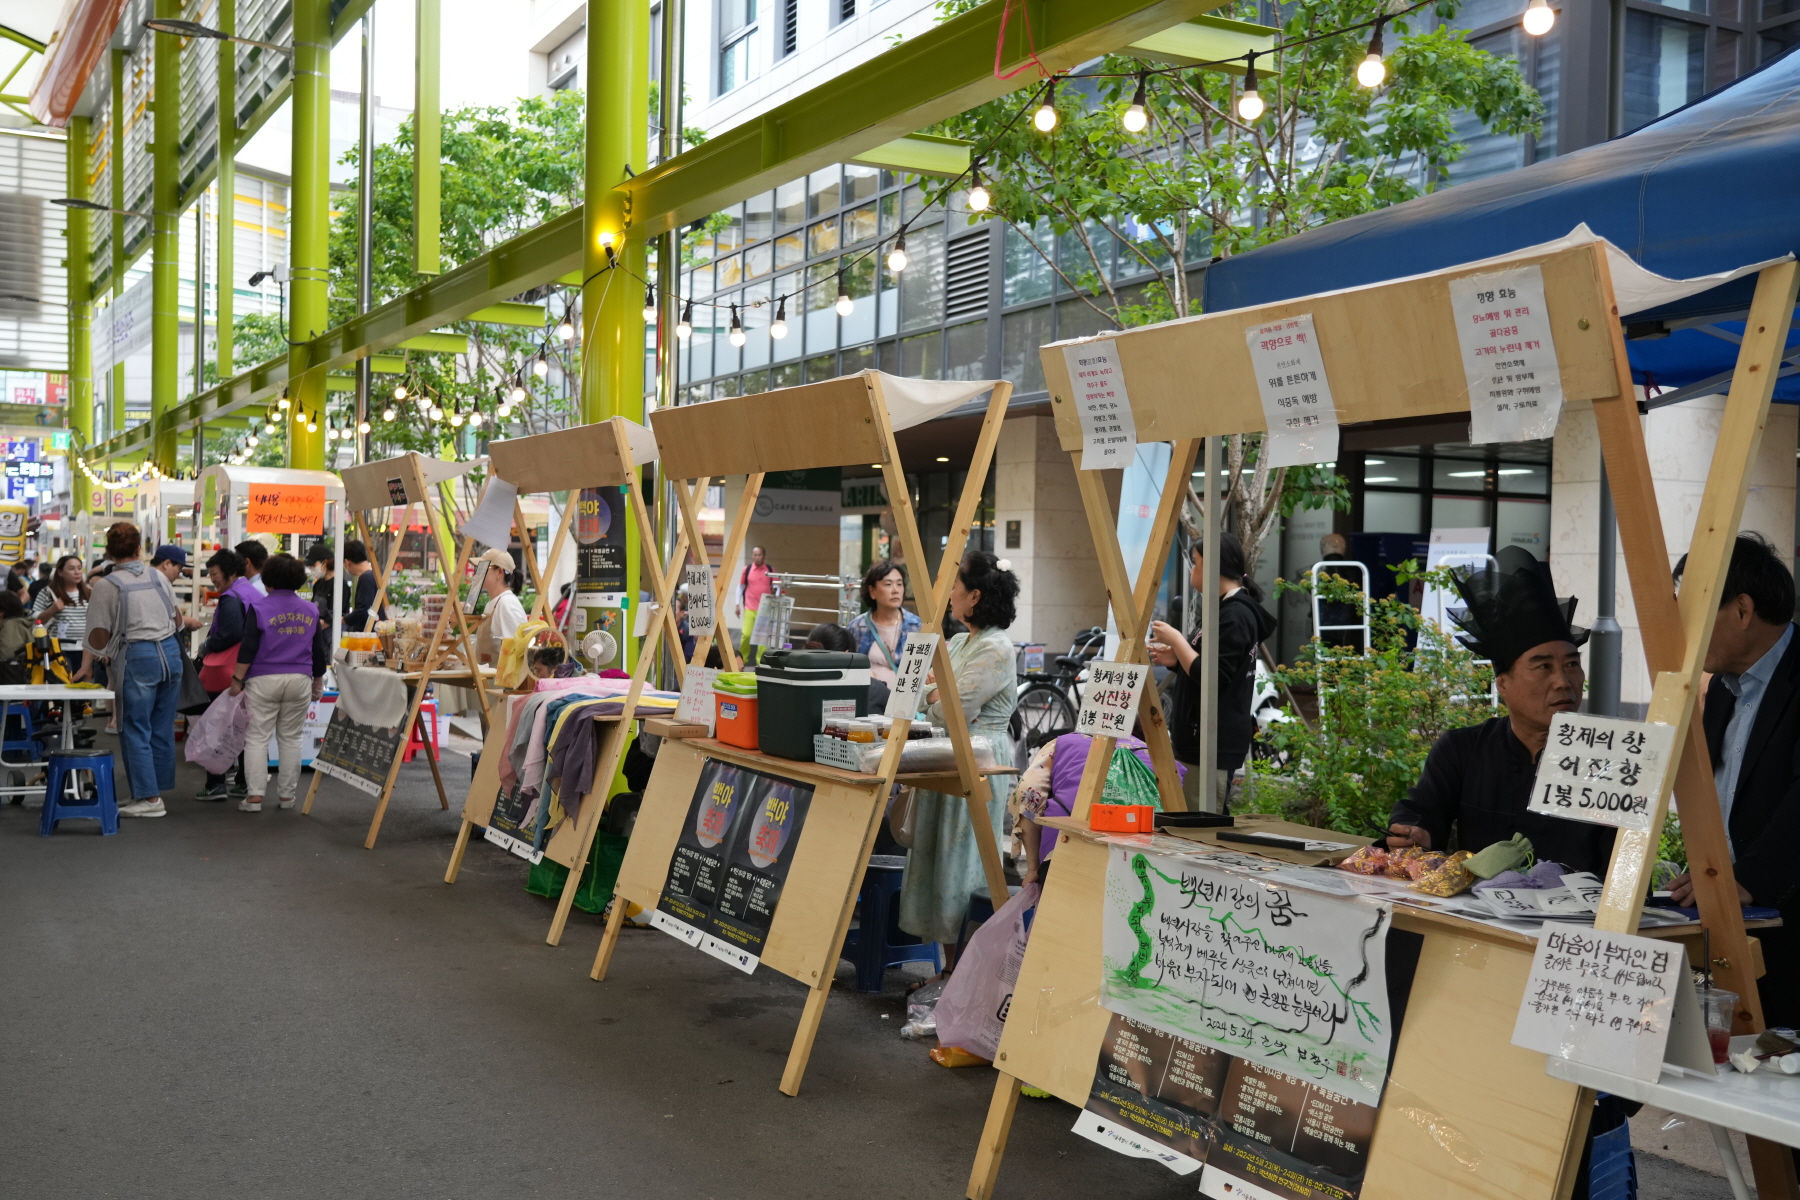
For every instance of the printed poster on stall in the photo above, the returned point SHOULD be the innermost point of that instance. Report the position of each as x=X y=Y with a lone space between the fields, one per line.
x=731 y=861
x=1295 y=980
x=1509 y=357
x=360 y=754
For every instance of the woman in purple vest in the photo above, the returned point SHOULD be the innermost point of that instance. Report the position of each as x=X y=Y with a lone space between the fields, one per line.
x=281 y=664
x=225 y=570
x=1047 y=789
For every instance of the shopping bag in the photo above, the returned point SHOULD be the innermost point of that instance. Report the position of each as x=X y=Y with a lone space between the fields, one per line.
x=972 y=1010
x=217 y=736
x=216 y=669
x=194 y=698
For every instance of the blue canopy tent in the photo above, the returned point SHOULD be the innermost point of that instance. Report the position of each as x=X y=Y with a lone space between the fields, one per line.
x=1708 y=188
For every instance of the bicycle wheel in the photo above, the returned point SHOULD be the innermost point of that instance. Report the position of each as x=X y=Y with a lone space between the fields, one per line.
x=1043 y=713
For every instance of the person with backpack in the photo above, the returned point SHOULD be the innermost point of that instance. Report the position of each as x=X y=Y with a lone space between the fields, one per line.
x=754 y=584
x=281 y=664
x=132 y=623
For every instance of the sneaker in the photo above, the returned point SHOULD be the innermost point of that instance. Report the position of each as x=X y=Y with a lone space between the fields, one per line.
x=215 y=792
x=286 y=802
x=239 y=790
x=248 y=805
x=144 y=808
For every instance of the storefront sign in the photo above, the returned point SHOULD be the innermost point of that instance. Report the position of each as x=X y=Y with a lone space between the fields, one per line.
x=1602 y=770
x=1509 y=359
x=1108 y=429
x=796 y=507
x=284 y=508
x=1296 y=398
x=909 y=676
x=697 y=583
x=1109 y=702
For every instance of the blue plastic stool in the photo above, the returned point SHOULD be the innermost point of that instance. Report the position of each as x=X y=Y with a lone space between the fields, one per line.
x=877 y=909
x=64 y=768
x=1612 y=1168
x=27 y=740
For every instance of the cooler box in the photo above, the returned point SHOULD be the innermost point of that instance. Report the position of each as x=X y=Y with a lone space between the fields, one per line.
x=735 y=701
x=792 y=688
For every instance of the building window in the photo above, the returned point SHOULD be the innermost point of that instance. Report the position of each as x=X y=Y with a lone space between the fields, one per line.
x=842 y=10
x=738 y=43
x=1665 y=65
x=1494 y=28
x=789 y=39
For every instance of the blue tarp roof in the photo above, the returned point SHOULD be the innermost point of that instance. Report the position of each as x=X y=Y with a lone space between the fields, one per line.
x=1708 y=188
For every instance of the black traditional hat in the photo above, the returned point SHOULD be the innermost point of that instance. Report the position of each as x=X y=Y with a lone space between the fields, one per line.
x=1511 y=608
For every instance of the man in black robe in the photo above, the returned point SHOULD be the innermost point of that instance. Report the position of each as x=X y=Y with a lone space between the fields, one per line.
x=1477 y=780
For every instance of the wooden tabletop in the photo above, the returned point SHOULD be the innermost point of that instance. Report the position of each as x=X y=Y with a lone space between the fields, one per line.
x=793 y=768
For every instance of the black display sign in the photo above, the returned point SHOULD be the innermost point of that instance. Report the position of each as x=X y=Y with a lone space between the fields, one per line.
x=360 y=755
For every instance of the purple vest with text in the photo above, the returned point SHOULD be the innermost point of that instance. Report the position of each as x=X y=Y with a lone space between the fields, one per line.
x=288 y=623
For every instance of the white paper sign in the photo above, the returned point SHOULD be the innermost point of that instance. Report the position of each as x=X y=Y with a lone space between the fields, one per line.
x=836 y=710
x=1509 y=358
x=491 y=524
x=1108 y=430
x=909 y=676
x=696 y=706
x=772 y=615
x=647 y=611
x=513 y=845
x=697 y=581
x=1602 y=999
x=1123 y=1140
x=1296 y=398
x=1109 y=702
x=1603 y=770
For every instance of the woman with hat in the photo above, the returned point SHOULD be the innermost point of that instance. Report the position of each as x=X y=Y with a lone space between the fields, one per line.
x=504 y=612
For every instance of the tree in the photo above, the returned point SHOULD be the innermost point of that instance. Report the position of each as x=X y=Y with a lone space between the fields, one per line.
x=1095 y=202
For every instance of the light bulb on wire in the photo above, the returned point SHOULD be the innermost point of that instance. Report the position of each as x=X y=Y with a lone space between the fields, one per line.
x=251 y=441
x=282 y=403
x=566 y=330
x=649 y=304
x=1137 y=117
x=1250 y=105
x=540 y=367
x=456 y=420
x=737 y=328
x=362 y=427
x=778 y=327
x=845 y=305
x=330 y=434
x=1045 y=116
x=896 y=259
x=312 y=427
x=388 y=413
x=1371 y=72
x=399 y=391
x=1540 y=18
x=684 y=328
x=979 y=199
x=475 y=419
x=517 y=395
x=436 y=413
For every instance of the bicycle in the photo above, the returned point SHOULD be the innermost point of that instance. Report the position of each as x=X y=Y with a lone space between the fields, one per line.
x=1046 y=705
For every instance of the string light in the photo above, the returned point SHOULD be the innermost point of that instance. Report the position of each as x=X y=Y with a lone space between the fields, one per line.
x=845 y=305
x=778 y=327
x=1539 y=18
x=737 y=328
x=399 y=391
x=282 y=403
x=503 y=410
x=1250 y=105
x=436 y=413
x=1045 y=117
x=540 y=367
x=250 y=441
x=312 y=427
x=684 y=328
x=388 y=413
x=475 y=418
x=456 y=419
x=330 y=434
x=1372 y=72
x=517 y=395
x=362 y=427
x=1137 y=117
x=978 y=195
x=649 y=304
x=896 y=258
x=566 y=330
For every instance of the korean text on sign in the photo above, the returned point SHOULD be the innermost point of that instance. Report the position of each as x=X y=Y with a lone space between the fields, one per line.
x=1603 y=999
x=1296 y=397
x=909 y=676
x=282 y=508
x=1509 y=358
x=1108 y=430
x=697 y=579
x=1603 y=770
x=1109 y=704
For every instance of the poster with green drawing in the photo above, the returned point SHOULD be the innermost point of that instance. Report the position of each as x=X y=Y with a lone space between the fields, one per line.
x=1292 y=979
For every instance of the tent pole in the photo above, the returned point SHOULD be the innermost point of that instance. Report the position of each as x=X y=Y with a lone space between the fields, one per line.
x=1606 y=639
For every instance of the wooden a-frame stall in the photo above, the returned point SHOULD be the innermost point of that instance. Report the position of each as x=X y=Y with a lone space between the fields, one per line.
x=837 y=422
x=1391 y=350
x=406 y=480
x=605 y=454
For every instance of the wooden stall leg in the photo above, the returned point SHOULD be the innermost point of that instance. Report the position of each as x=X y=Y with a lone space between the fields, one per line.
x=993 y=1137
x=432 y=758
x=462 y=848
x=1772 y=1166
x=1572 y=1150
x=615 y=920
x=803 y=1038
x=306 y=809
x=593 y=808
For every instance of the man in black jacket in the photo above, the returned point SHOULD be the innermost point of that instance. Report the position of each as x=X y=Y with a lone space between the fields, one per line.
x=1752 y=723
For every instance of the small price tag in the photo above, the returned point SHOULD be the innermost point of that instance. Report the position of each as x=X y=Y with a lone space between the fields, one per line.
x=696 y=706
x=697 y=581
x=1602 y=770
x=909 y=676
x=1109 y=705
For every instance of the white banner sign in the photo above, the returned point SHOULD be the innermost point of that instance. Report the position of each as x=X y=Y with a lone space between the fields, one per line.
x=696 y=706
x=1294 y=980
x=491 y=524
x=1109 y=702
x=1108 y=430
x=1602 y=999
x=1509 y=359
x=909 y=676
x=1603 y=770
x=1296 y=398
x=122 y=328
x=697 y=581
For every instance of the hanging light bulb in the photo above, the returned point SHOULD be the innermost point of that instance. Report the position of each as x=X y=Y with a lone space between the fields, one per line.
x=1539 y=18
x=737 y=328
x=312 y=427
x=250 y=441
x=979 y=199
x=475 y=419
x=330 y=434
x=1250 y=105
x=778 y=327
x=1137 y=117
x=845 y=305
x=362 y=427
x=1045 y=117
x=399 y=391
x=541 y=367
x=456 y=419
x=502 y=411
x=268 y=427
x=425 y=405
x=649 y=304
x=388 y=413
x=566 y=331
x=436 y=413
x=282 y=403
x=299 y=416
x=516 y=395
x=1371 y=72
x=896 y=259
x=684 y=328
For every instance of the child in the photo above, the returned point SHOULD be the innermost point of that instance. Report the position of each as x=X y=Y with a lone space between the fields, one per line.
x=545 y=660
x=281 y=663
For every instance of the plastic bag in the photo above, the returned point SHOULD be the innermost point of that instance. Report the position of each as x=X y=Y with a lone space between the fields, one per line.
x=217 y=736
x=512 y=667
x=972 y=1011
x=921 y=1012
x=923 y=754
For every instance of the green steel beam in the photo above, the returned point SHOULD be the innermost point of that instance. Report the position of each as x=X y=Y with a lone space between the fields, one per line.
x=225 y=170
x=438 y=343
x=81 y=313
x=428 y=137
x=388 y=364
x=921 y=154
x=1207 y=40
x=527 y=316
x=24 y=39
x=165 y=236
x=309 y=224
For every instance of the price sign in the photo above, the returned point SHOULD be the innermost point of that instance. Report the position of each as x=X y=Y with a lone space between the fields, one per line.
x=281 y=508
x=1109 y=705
x=697 y=581
x=909 y=676
x=696 y=706
x=1602 y=770
x=1296 y=398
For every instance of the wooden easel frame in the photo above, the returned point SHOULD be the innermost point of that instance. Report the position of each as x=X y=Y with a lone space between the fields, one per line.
x=1391 y=351
x=832 y=423
x=596 y=455
x=366 y=487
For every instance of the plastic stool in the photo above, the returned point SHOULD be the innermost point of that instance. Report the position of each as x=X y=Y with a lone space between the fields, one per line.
x=877 y=909
x=27 y=740
x=64 y=768
x=414 y=743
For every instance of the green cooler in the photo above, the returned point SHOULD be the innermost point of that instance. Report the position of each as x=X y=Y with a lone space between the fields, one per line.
x=792 y=688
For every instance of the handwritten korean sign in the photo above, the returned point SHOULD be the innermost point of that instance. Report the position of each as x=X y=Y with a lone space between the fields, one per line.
x=1603 y=999
x=1602 y=770
x=697 y=582
x=1294 y=980
x=1296 y=398
x=909 y=676
x=1110 y=701
x=696 y=705
x=1108 y=430
x=1509 y=359
x=284 y=508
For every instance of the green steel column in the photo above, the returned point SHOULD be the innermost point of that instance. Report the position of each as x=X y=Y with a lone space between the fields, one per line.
x=81 y=332
x=618 y=134
x=116 y=172
x=309 y=207
x=428 y=137
x=165 y=236
x=227 y=186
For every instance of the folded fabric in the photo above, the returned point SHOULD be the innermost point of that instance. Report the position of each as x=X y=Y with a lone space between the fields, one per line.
x=373 y=696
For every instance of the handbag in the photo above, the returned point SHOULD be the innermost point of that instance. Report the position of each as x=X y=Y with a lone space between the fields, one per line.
x=900 y=815
x=216 y=668
x=194 y=697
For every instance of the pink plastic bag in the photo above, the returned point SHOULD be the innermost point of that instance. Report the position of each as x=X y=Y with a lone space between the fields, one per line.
x=972 y=1010
x=217 y=736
